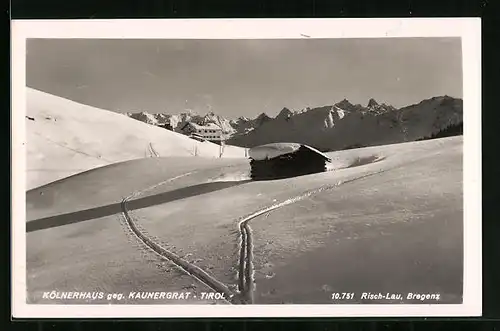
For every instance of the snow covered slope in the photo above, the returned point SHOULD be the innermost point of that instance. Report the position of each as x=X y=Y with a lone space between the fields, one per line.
x=65 y=138
x=388 y=219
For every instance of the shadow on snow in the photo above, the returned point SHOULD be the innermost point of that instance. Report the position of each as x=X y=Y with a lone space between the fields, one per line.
x=103 y=211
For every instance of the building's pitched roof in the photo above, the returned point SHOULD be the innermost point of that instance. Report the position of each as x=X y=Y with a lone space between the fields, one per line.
x=318 y=152
x=209 y=126
x=270 y=151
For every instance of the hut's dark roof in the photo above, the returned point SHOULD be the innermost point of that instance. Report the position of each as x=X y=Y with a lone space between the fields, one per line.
x=274 y=150
x=318 y=152
x=270 y=151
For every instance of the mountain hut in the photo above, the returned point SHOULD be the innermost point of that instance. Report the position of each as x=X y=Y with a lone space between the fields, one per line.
x=283 y=160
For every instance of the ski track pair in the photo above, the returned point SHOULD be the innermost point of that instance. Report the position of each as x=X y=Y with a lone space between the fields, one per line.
x=246 y=281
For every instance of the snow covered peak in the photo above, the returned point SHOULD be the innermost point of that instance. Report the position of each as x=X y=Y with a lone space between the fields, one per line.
x=210 y=116
x=263 y=116
x=348 y=106
x=344 y=104
x=340 y=112
x=372 y=103
x=144 y=116
x=189 y=112
x=261 y=119
x=375 y=107
x=285 y=113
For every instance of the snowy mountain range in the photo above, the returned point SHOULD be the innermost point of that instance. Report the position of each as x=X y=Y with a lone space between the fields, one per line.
x=177 y=121
x=333 y=127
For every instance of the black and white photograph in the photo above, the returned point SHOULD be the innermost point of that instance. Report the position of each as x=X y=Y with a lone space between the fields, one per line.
x=188 y=173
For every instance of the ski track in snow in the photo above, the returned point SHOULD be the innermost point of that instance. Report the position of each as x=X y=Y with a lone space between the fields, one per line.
x=246 y=280
x=148 y=241
x=152 y=151
x=246 y=272
x=72 y=149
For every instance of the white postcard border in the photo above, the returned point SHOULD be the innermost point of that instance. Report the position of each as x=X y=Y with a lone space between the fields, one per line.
x=468 y=29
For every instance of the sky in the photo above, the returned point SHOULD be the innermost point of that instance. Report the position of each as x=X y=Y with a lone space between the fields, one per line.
x=243 y=77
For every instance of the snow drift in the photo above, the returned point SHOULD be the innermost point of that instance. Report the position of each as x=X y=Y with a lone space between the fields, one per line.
x=270 y=151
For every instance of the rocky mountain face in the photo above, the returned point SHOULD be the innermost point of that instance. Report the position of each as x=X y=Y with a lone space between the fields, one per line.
x=239 y=126
x=177 y=121
x=244 y=125
x=346 y=125
x=334 y=127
